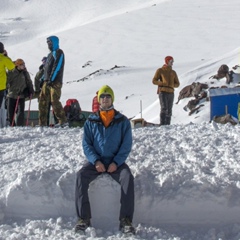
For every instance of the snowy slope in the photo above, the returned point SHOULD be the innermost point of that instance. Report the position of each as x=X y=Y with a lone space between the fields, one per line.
x=186 y=174
x=137 y=35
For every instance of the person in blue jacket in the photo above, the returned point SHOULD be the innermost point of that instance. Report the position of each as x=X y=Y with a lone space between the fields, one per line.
x=52 y=84
x=107 y=142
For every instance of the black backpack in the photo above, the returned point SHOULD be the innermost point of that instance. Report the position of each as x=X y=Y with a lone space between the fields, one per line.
x=72 y=110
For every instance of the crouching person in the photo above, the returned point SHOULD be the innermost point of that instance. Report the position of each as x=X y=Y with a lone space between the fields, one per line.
x=107 y=143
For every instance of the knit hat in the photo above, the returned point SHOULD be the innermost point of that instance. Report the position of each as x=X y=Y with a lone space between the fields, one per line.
x=1 y=47
x=44 y=59
x=168 y=58
x=105 y=89
x=19 y=62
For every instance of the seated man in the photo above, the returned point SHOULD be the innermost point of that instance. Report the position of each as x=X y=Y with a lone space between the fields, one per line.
x=106 y=153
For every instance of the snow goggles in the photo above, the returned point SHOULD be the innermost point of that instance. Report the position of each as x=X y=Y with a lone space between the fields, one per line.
x=105 y=96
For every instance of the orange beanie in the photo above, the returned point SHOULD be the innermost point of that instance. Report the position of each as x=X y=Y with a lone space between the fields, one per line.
x=168 y=58
x=19 y=62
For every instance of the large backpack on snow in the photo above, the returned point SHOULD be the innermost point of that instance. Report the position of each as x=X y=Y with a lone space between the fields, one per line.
x=222 y=72
x=72 y=110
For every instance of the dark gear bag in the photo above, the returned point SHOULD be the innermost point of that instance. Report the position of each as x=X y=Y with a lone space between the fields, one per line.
x=26 y=91
x=72 y=110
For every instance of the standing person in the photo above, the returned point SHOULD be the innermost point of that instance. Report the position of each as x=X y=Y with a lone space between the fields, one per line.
x=106 y=154
x=6 y=64
x=38 y=80
x=52 y=85
x=167 y=80
x=19 y=86
x=95 y=103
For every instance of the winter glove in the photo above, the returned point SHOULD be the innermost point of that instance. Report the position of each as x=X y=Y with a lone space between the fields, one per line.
x=49 y=83
x=5 y=53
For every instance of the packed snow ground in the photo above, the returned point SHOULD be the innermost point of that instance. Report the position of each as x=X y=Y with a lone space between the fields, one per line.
x=186 y=184
x=186 y=175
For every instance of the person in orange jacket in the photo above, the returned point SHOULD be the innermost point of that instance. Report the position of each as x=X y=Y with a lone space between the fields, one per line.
x=95 y=103
x=166 y=79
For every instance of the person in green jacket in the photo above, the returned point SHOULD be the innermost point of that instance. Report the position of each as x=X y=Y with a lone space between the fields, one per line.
x=19 y=86
x=6 y=64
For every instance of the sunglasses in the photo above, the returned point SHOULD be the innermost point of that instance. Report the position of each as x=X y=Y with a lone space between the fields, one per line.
x=105 y=96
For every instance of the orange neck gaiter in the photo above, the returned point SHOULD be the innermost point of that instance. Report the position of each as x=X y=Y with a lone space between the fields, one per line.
x=107 y=117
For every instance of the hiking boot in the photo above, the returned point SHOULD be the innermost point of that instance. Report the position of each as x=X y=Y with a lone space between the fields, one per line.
x=82 y=225
x=58 y=125
x=126 y=226
x=40 y=126
x=66 y=124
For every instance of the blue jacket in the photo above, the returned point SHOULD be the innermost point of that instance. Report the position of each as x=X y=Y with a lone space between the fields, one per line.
x=54 y=66
x=111 y=144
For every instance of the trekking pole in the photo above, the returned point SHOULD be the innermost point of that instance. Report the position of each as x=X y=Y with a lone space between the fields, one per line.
x=30 y=99
x=141 y=107
x=1 y=115
x=15 y=110
x=1 y=125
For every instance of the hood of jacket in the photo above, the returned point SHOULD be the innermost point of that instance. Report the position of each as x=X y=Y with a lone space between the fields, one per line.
x=55 y=42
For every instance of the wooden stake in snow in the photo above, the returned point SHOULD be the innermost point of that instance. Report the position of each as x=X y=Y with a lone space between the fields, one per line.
x=226 y=109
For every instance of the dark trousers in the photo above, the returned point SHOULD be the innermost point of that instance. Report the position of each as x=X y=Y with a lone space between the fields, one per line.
x=166 y=104
x=20 y=111
x=122 y=175
x=2 y=92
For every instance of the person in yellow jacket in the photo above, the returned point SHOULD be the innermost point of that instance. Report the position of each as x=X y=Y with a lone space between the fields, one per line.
x=167 y=80
x=5 y=64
